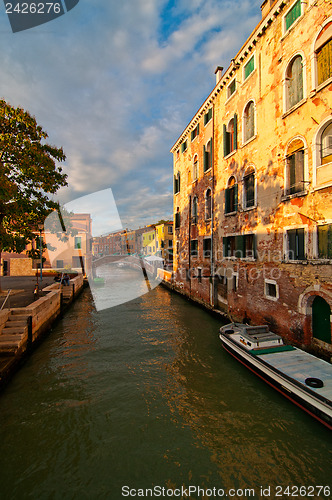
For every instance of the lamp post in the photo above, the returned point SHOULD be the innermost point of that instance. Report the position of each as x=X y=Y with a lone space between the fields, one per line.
x=40 y=227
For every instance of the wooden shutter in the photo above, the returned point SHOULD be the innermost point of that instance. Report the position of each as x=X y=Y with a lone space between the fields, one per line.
x=225 y=140
x=235 y=197
x=235 y=131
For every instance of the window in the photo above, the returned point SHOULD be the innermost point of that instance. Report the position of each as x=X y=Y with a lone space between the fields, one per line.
x=249 y=67
x=294 y=82
x=271 y=290
x=295 y=168
x=231 y=88
x=177 y=218
x=78 y=242
x=230 y=136
x=194 y=248
x=170 y=229
x=249 y=188
x=208 y=116
x=249 y=121
x=184 y=146
x=323 y=54
x=325 y=241
x=207 y=155
x=295 y=244
x=326 y=145
x=195 y=132
x=241 y=246
x=195 y=168
x=293 y=14
x=59 y=264
x=231 y=196
x=208 y=205
x=207 y=248
x=194 y=210
x=177 y=183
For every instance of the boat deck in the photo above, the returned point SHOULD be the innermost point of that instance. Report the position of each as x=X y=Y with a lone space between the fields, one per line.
x=300 y=365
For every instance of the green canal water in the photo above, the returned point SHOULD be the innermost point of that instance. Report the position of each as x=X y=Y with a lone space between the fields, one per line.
x=143 y=396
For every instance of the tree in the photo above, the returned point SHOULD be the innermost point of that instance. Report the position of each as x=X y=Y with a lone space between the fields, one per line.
x=28 y=175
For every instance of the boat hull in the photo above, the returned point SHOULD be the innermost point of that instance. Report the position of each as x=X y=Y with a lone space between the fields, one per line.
x=295 y=392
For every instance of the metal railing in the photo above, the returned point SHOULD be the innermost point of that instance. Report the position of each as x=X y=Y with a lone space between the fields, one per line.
x=7 y=296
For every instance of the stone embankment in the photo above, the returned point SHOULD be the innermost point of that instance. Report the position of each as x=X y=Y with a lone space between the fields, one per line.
x=22 y=327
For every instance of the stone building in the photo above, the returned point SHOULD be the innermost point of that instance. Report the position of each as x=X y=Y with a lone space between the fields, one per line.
x=253 y=180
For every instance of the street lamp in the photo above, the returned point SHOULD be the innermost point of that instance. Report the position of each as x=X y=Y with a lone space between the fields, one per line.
x=40 y=227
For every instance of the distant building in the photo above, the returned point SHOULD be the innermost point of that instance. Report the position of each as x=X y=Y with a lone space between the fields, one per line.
x=253 y=180
x=164 y=242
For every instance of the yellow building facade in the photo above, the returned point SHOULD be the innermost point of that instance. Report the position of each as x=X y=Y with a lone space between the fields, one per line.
x=253 y=180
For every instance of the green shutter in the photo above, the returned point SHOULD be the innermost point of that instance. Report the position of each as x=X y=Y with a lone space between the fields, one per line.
x=235 y=197
x=226 y=201
x=224 y=246
x=235 y=131
x=205 y=167
x=240 y=246
x=224 y=136
x=300 y=244
x=249 y=67
x=211 y=152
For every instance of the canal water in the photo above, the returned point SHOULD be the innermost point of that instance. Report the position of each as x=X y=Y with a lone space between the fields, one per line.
x=127 y=401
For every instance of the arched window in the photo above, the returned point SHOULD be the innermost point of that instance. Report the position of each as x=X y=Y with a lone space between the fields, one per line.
x=208 y=204
x=249 y=188
x=207 y=153
x=177 y=183
x=194 y=211
x=294 y=82
x=195 y=168
x=231 y=196
x=177 y=218
x=230 y=136
x=249 y=121
x=326 y=145
x=323 y=54
x=295 y=167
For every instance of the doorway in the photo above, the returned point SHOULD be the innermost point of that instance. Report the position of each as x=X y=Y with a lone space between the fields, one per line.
x=321 y=320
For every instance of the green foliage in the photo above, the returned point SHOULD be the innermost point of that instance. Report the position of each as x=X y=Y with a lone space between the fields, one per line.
x=28 y=175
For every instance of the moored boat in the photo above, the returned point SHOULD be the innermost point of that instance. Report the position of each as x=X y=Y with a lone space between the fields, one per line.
x=301 y=377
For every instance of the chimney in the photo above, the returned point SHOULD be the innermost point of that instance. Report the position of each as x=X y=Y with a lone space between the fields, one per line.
x=218 y=73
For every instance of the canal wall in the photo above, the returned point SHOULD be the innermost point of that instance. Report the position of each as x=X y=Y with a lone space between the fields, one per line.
x=21 y=328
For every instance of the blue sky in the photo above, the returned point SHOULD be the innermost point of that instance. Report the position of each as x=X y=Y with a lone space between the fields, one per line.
x=115 y=83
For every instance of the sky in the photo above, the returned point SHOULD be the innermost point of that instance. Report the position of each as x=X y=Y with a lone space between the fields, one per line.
x=116 y=82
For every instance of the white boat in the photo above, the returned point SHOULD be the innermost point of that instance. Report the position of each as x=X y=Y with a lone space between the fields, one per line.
x=303 y=378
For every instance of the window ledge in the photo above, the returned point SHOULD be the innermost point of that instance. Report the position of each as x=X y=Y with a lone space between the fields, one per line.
x=300 y=194
x=294 y=108
x=230 y=97
x=323 y=186
x=229 y=155
x=269 y=297
x=320 y=87
x=290 y=29
x=207 y=171
x=247 y=209
x=228 y=214
x=249 y=140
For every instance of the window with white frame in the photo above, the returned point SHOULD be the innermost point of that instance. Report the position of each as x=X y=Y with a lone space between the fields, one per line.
x=231 y=199
x=271 y=289
x=231 y=88
x=195 y=168
x=292 y=15
x=294 y=82
x=230 y=136
x=207 y=155
x=295 y=168
x=324 y=241
x=249 y=67
x=323 y=54
x=249 y=188
x=249 y=121
x=326 y=145
x=295 y=244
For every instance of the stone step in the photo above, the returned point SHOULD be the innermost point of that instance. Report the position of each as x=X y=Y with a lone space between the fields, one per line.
x=13 y=323
x=18 y=330
x=9 y=344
